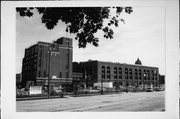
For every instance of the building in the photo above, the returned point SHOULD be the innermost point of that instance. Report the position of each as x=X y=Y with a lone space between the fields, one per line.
x=120 y=74
x=18 y=80
x=38 y=64
x=161 y=79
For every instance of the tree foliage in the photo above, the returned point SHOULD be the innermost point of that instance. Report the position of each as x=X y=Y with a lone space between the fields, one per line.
x=82 y=21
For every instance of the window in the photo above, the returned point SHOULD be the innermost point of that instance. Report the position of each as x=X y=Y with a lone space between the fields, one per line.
x=152 y=74
x=144 y=74
x=120 y=73
x=148 y=74
x=115 y=72
x=126 y=73
x=155 y=72
x=130 y=73
x=136 y=74
x=103 y=72
x=60 y=74
x=108 y=69
x=102 y=76
x=67 y=42
x=108 y=72
x=140 y=74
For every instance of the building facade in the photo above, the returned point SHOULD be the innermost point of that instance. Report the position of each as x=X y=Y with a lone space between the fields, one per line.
x=44 y=59
x=18 y=80
x=120 y=74
x=161 y=79
x=54 y=60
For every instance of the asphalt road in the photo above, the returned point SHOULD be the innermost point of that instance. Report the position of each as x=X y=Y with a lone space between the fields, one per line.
x=143 y=101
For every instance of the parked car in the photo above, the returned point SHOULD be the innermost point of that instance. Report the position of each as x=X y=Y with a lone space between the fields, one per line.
x=159 y=89
x=149 y=90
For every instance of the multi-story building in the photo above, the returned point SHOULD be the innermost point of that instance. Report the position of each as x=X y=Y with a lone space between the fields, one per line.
x=161 y=79
x=118 y=73
x=18 y=80
x=38 y=63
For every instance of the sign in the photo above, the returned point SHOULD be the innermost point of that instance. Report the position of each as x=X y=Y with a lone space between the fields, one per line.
x=35 y=90
x=54 y=77
x=104 y=84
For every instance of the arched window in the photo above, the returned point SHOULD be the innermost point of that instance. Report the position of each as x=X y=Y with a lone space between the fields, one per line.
x=136 y=74
x=126 y=73
x=115 y=72
x=103 y=72
x=144 y=74
x=152 y=74
x=155 y=72
x=108 y=72
x=130 y=73
x=140 y=74
x=148 y=74
x=120 y=73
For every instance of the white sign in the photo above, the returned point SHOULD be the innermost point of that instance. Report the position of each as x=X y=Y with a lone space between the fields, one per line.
x=54 y=77
x=35 y=90
x=104 y=84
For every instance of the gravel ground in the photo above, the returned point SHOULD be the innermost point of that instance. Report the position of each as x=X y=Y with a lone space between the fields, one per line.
x=144 y=101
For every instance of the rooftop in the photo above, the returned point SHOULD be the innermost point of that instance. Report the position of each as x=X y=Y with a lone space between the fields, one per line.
x=118 y=63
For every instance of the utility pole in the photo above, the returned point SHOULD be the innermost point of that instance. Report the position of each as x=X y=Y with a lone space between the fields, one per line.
x=85 y=76
x=102 y=86
x=49 y=71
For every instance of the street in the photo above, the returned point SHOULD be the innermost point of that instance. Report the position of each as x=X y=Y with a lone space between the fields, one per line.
x=142 y=101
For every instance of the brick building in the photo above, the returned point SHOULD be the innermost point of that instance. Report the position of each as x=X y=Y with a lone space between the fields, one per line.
x=18 y=80
x=161 y=79
x=119 y=74
x=37 y=62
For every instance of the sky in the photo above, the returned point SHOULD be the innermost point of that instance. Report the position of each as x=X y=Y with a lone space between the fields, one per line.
x=142 y=36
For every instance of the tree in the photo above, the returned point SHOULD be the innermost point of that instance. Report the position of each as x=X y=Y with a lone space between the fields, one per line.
x=82 y=21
